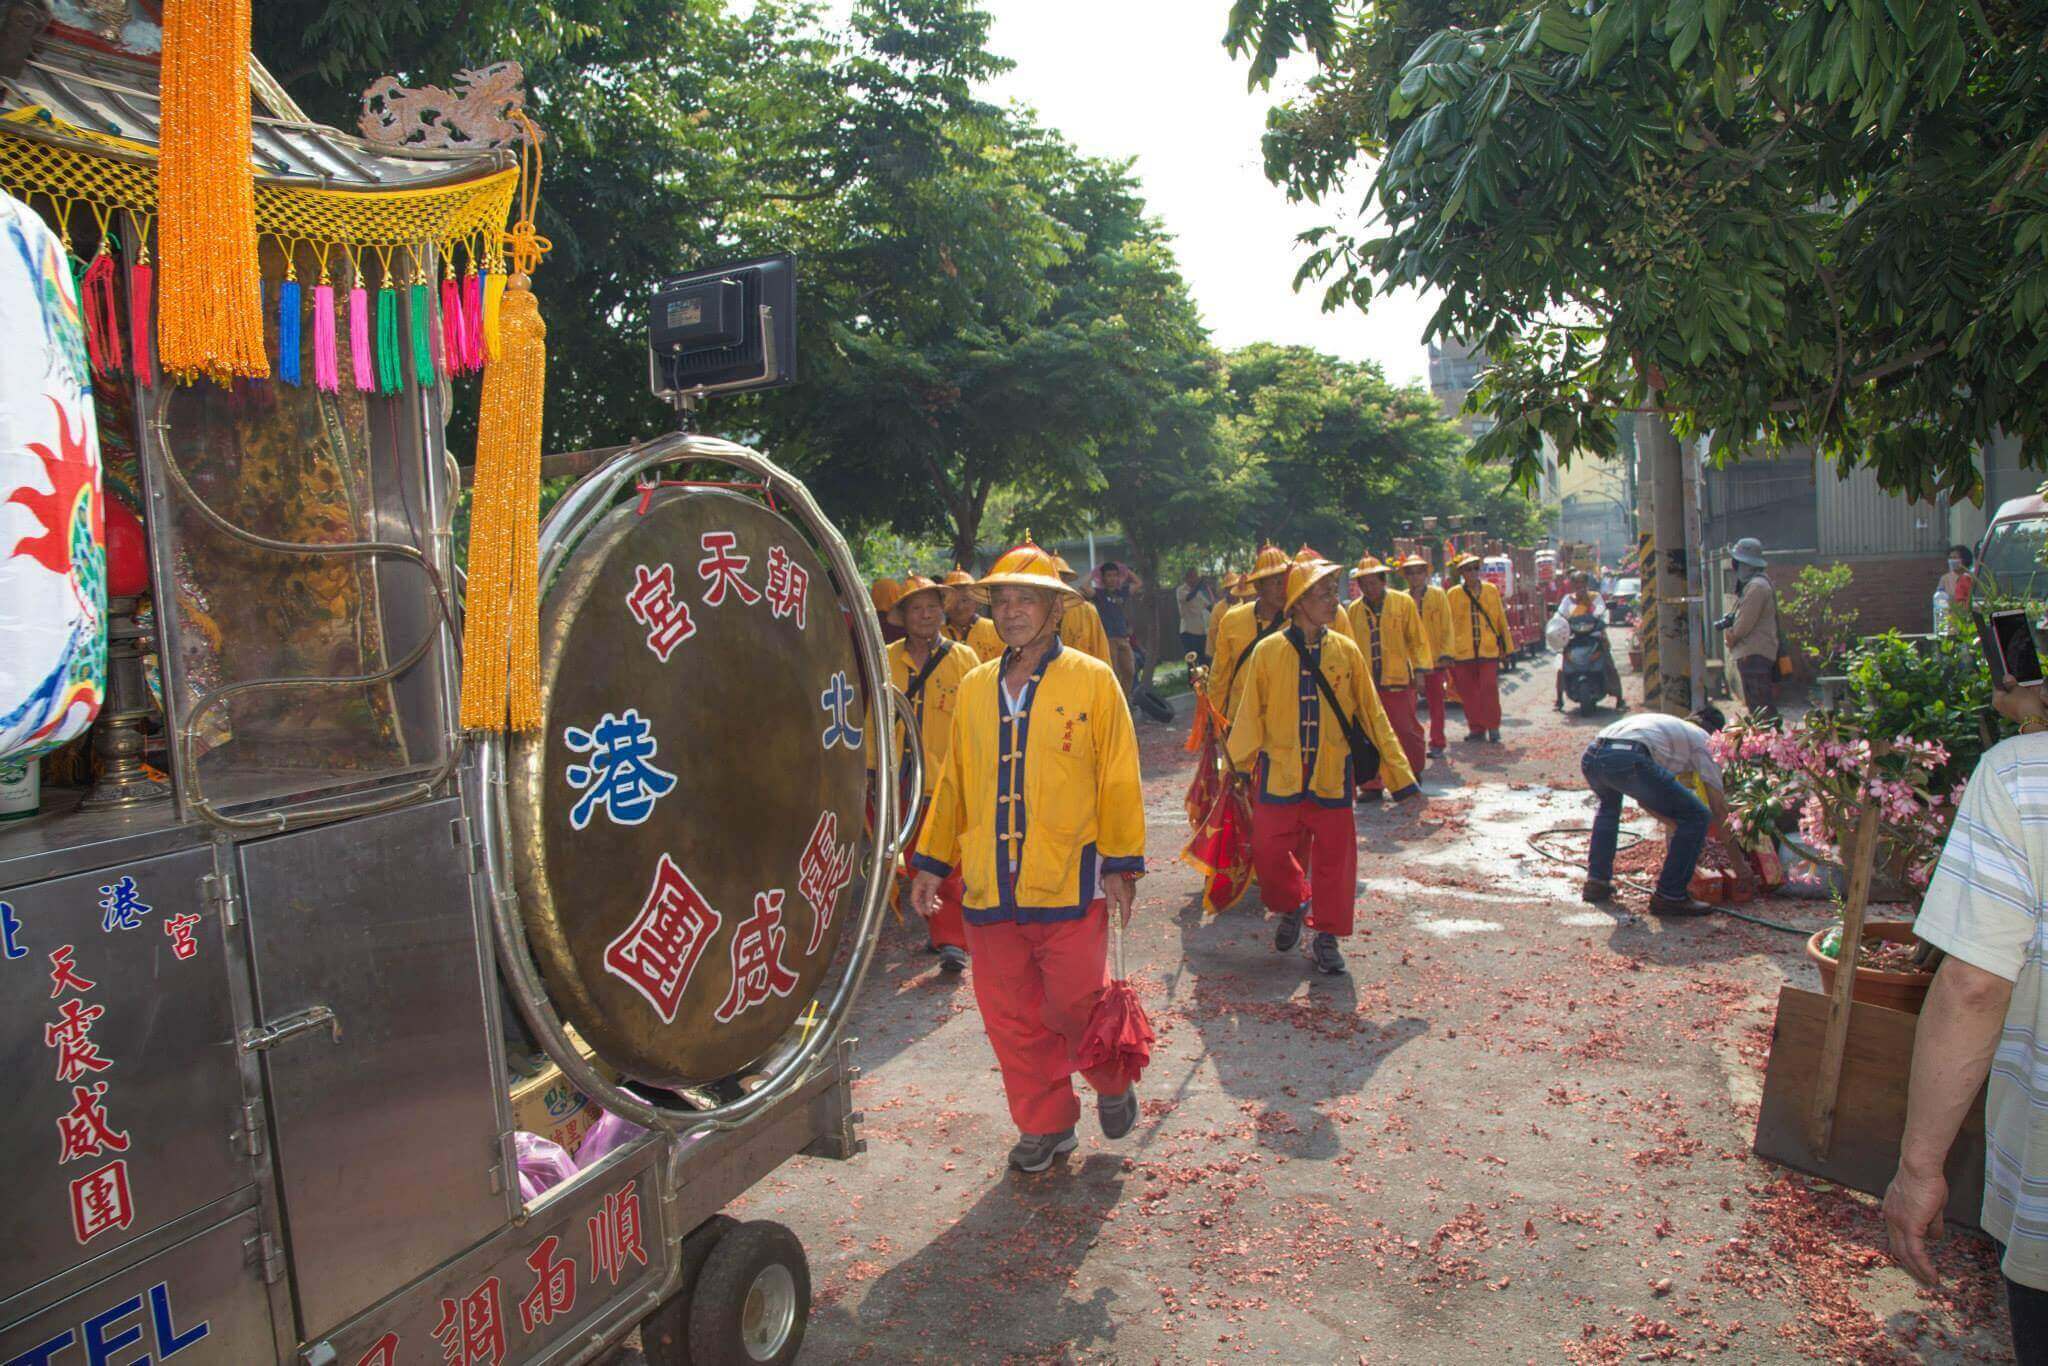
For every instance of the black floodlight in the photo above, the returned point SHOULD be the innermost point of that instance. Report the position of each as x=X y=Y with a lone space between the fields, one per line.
x=725 y=331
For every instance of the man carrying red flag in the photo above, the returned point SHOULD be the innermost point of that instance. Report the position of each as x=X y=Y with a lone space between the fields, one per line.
x=1304 y=844
x=1040 y=806
x=1248 y=623
x=1478 y=642
x=928 y=669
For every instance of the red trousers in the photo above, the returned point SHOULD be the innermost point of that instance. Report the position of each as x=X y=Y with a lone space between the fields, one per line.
x=1036 y=986
x=1479 y=690
x=1304 y=851
x=1433 y=686
x=1400 y=705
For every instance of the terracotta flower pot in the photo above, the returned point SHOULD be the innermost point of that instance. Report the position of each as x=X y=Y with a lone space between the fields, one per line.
x=1875 y=987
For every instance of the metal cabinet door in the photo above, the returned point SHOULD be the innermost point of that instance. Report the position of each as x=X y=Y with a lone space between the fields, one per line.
x=387 y=1136
x=117 y=1036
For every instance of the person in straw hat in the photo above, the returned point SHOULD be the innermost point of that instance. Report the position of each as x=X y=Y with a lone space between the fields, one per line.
x=1479 y=640
x=1435 y=610
x=1287 y=741
x=1386 y=626
x=1080 y=625
x=928 y=668
x=964 y=621
x=1040 y=807
x=1246 y=624
x=1229 y=598
x=883 y=593
x=1340 y=623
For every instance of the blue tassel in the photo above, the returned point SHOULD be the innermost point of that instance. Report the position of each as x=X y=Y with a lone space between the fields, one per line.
x=288 y=331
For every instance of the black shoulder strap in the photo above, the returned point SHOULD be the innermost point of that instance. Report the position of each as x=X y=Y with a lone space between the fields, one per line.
x=1352 y=734
x=1246 y=652
x=939 y=652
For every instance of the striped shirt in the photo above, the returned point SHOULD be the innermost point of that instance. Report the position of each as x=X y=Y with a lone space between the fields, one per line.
x=1984 y=905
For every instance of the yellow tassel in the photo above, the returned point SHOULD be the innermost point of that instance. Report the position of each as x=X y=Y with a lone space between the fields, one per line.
x=209 y=291
x=494 y=294
x=501 y=627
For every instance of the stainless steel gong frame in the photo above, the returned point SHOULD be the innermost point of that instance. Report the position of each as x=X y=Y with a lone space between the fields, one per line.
x=573 y=518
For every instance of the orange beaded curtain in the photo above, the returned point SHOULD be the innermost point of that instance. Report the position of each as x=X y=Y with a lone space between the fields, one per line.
x=210 y=301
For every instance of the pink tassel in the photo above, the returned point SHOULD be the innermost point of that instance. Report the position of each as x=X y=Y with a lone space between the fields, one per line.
x=326 y=373
x=359 y=338
x=451 y=327
x=473 y=322
x=141 y=295
x=102 y=331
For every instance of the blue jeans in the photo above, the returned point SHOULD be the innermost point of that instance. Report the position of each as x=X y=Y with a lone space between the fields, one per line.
x=1617 y=771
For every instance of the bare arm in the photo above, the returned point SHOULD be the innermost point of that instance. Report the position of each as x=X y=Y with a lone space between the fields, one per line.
x=1959 y=1030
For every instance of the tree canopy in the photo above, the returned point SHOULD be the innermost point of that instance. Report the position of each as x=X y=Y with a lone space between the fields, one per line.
x=1823 y=221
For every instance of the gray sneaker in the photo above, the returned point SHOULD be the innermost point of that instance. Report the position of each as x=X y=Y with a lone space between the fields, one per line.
x=1287 y=933
x=1327 y=958
x=952 y=958
x=1117 y=1113
x=1035 y=1152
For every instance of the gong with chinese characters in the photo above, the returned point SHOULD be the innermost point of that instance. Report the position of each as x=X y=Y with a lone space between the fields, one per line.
x=689 y=819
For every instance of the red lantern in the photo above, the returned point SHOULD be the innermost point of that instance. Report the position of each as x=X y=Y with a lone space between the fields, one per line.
x=127 y=552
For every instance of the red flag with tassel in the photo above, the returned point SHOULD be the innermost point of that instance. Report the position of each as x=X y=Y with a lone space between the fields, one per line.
x=1119 y=1033
x=1222 y=849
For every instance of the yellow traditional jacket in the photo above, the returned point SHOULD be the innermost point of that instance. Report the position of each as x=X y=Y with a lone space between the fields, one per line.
x=1034 y=807
x=1222 y=606
x=1477 y=635
x=1241 y=626
x=981 y=637
x=1284 y=722
x=1435 y=607
x=1081 y=627
x=1395 y=632
x=936 y=702
x=1341 y=624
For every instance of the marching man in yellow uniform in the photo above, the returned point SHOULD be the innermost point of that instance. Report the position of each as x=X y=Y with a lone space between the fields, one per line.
x=1435 y=610
x=1306 y=705
x=1040 y=807
x=1228 y=599
x=964 y=621
x=1081 y=626
x=1341 y=623
x=1478 y=642
x=1386 y=626
x=1248 y=623
x=883 y=593
x=928 y=668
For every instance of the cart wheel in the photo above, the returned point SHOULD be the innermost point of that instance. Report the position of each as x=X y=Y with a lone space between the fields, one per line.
x=753 y=1298
x=665 y=1334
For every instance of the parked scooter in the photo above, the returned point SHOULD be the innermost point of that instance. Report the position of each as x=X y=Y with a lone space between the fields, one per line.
x=1582 y=663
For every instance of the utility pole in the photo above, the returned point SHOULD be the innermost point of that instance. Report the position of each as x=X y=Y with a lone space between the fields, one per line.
x=1668 y=500
x=1695 y=577
x=1646 y=565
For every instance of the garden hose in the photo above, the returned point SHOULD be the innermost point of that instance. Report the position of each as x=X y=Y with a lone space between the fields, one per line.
x=1536 y=843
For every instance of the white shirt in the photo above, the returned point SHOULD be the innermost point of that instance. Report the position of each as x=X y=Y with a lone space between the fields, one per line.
x=1676 y=744
x=1566 y=603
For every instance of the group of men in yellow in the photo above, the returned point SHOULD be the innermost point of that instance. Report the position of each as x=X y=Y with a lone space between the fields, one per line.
x=1033 y=832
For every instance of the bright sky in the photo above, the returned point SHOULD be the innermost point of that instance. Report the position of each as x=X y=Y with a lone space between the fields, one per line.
x=1150 y=79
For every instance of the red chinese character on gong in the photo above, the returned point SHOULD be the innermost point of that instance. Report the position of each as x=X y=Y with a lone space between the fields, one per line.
x=822 y=872
x=63 y=976
x=615 y=1233
x=722 y=569
x=654 y=604
x=100 y=1201
x=659 y=950
x=383 y=1352
x=84 y=1131
x=788 y=586
x=554 y=1287
x=71 y=1036
x=179 y=928
x=757 y=970
x=473 y=1329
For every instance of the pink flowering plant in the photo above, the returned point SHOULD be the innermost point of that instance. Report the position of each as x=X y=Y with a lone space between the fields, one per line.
x=1822 y=773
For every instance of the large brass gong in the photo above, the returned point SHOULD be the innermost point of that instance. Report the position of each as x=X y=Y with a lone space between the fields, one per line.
x=688 y=821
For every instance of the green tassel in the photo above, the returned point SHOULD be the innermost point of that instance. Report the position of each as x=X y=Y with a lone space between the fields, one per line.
x=390 y=363
x=422 y=337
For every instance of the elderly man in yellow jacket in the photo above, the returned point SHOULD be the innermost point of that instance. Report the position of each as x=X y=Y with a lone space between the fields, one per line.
x=1229 y=598
x=1040 y=807
x=1288 y=741
x=928 y=669
x=964 y=621
x=1386 y=626
x=1246 y=624
x=1478 y=641
x=1435 y=610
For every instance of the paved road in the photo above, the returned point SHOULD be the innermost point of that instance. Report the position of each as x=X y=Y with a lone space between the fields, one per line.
x=1518 y=1132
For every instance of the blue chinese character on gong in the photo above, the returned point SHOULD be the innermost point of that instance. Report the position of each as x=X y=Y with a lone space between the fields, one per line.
x=620 y=776
x=121 y=906
x=837 y=699
x=10 y=926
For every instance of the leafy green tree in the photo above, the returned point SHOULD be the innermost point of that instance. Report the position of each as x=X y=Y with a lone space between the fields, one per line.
x=1808 y=221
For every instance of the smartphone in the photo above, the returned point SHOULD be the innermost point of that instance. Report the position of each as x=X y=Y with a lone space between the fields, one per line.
x=2010 y=647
